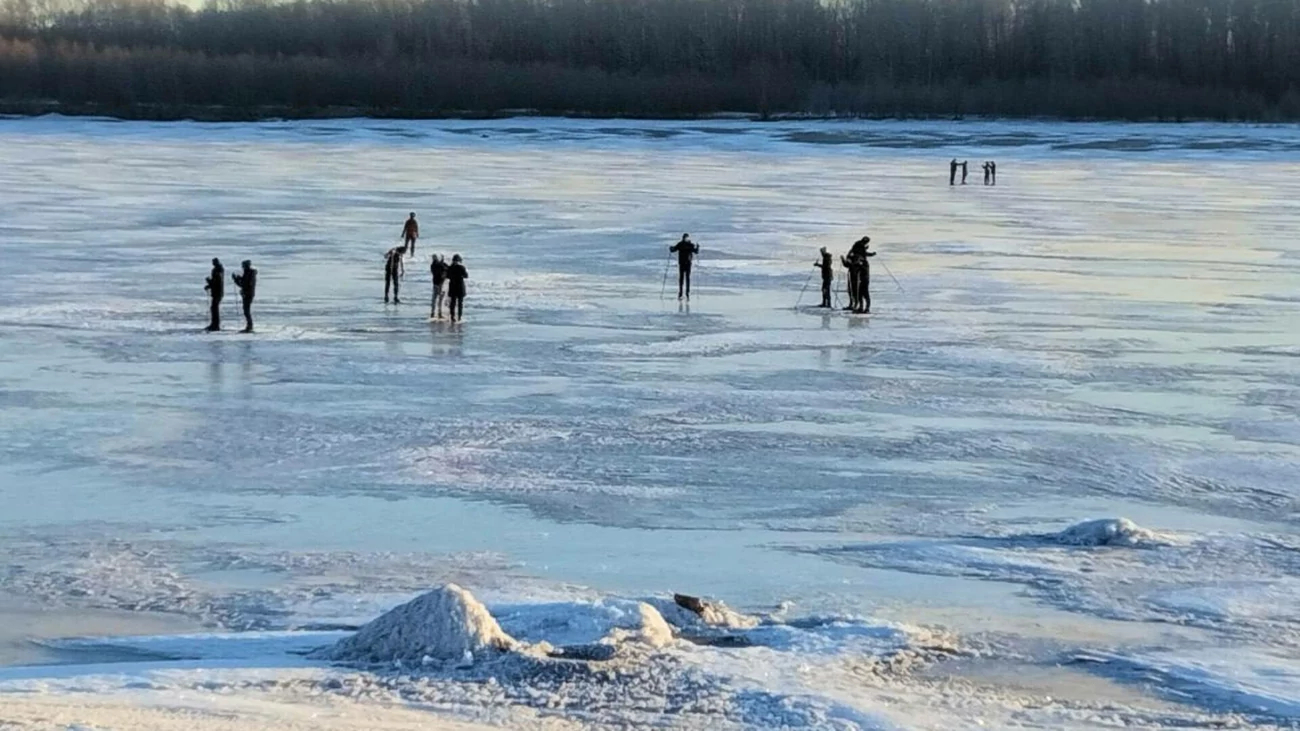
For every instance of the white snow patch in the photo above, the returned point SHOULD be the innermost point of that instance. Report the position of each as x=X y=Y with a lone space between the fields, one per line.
x=1245 y=678
x=1107 y=532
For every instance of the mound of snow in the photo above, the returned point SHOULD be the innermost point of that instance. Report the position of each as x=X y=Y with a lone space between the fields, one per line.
x=1107 y=532
x=652 y=629
x=447 y=623
x=609 y=621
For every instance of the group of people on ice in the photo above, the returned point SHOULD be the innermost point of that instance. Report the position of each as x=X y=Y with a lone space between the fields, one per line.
x=990 y=171
x=245 y=279
x=449 y=278
x=857 y=264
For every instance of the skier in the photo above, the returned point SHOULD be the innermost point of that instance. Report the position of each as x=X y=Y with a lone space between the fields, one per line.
x=393 y=272
x=410 y=232
x=216 y=288
x=828 y=276
x=686 y=251
x=247 y=283
x=438 y=268
x=456 y=276
x=860 y=254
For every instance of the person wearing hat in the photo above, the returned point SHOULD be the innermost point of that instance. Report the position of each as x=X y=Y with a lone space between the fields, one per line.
x=216 y=288
x=247 y=283
x=686 y=251
x=456 y=276
x=828 y=277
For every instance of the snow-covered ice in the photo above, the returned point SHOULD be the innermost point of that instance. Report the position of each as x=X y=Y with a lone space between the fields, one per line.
x=1048 y=483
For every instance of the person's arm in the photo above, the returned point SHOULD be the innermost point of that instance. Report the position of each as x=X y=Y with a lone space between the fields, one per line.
x=869 y=253
x=673 y=248
x=401 y=268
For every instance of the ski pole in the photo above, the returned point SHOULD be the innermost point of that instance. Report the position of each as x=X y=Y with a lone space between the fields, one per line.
x=806 y=282
x=667 y=263
x=891 y=276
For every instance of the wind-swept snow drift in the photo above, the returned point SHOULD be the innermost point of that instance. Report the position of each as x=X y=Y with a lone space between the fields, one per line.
x=447 y=623
x=1107 y=532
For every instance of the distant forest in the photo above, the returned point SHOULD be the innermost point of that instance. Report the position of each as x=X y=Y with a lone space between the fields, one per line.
x=236 y=59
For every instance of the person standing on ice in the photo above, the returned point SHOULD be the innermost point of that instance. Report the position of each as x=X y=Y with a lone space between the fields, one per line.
x=850 y=265
x=246 y=280
x=438 y=269
x=828 y=276
x=862 y=257
x=686 y=251
x=993 y=171
x=456 y=276
x=964 y=170
x=988 y=171
x=216 y=288
x=393 y=271
x=410 y=232
x=952 y=172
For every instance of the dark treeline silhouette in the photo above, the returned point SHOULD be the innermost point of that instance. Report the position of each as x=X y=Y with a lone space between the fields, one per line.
x=1165 y=59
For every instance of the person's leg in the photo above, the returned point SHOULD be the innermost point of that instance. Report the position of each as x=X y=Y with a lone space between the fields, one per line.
x=397 y=283
x=688 y=282
x=681 y=281
x=410 y=246
x=388 y=282
x=214 y=323
x=248 y=315
x=826 y=293
x=440 y=298
x=865 y=289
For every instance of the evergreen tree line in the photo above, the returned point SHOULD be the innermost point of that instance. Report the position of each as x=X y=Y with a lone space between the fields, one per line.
x=1167 y=59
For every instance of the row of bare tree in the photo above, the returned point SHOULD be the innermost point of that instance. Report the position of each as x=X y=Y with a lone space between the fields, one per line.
x=1229 y=59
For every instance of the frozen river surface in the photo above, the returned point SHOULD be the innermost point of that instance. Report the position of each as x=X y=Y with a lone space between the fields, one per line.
x=1111 y=331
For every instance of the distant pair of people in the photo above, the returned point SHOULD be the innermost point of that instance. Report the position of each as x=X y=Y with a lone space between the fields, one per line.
x=952 y=171
x=448 y=280
x=857 y=266
x=990 y=173
x=245 y=280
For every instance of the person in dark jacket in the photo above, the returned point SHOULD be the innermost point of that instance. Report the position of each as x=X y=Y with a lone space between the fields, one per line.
x=393 y=272
x=686 y=251
x=850 y=265
x=456 y=276
x=964 y=170
x=438 y=269
x=993 y=171
x=247 y=283
x=216 y=288
x=862 y=257
x=410 y=232
x=828 y=276
x=952 y=172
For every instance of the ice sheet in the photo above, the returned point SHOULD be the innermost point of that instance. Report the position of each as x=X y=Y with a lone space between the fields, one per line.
x=1111 y=327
